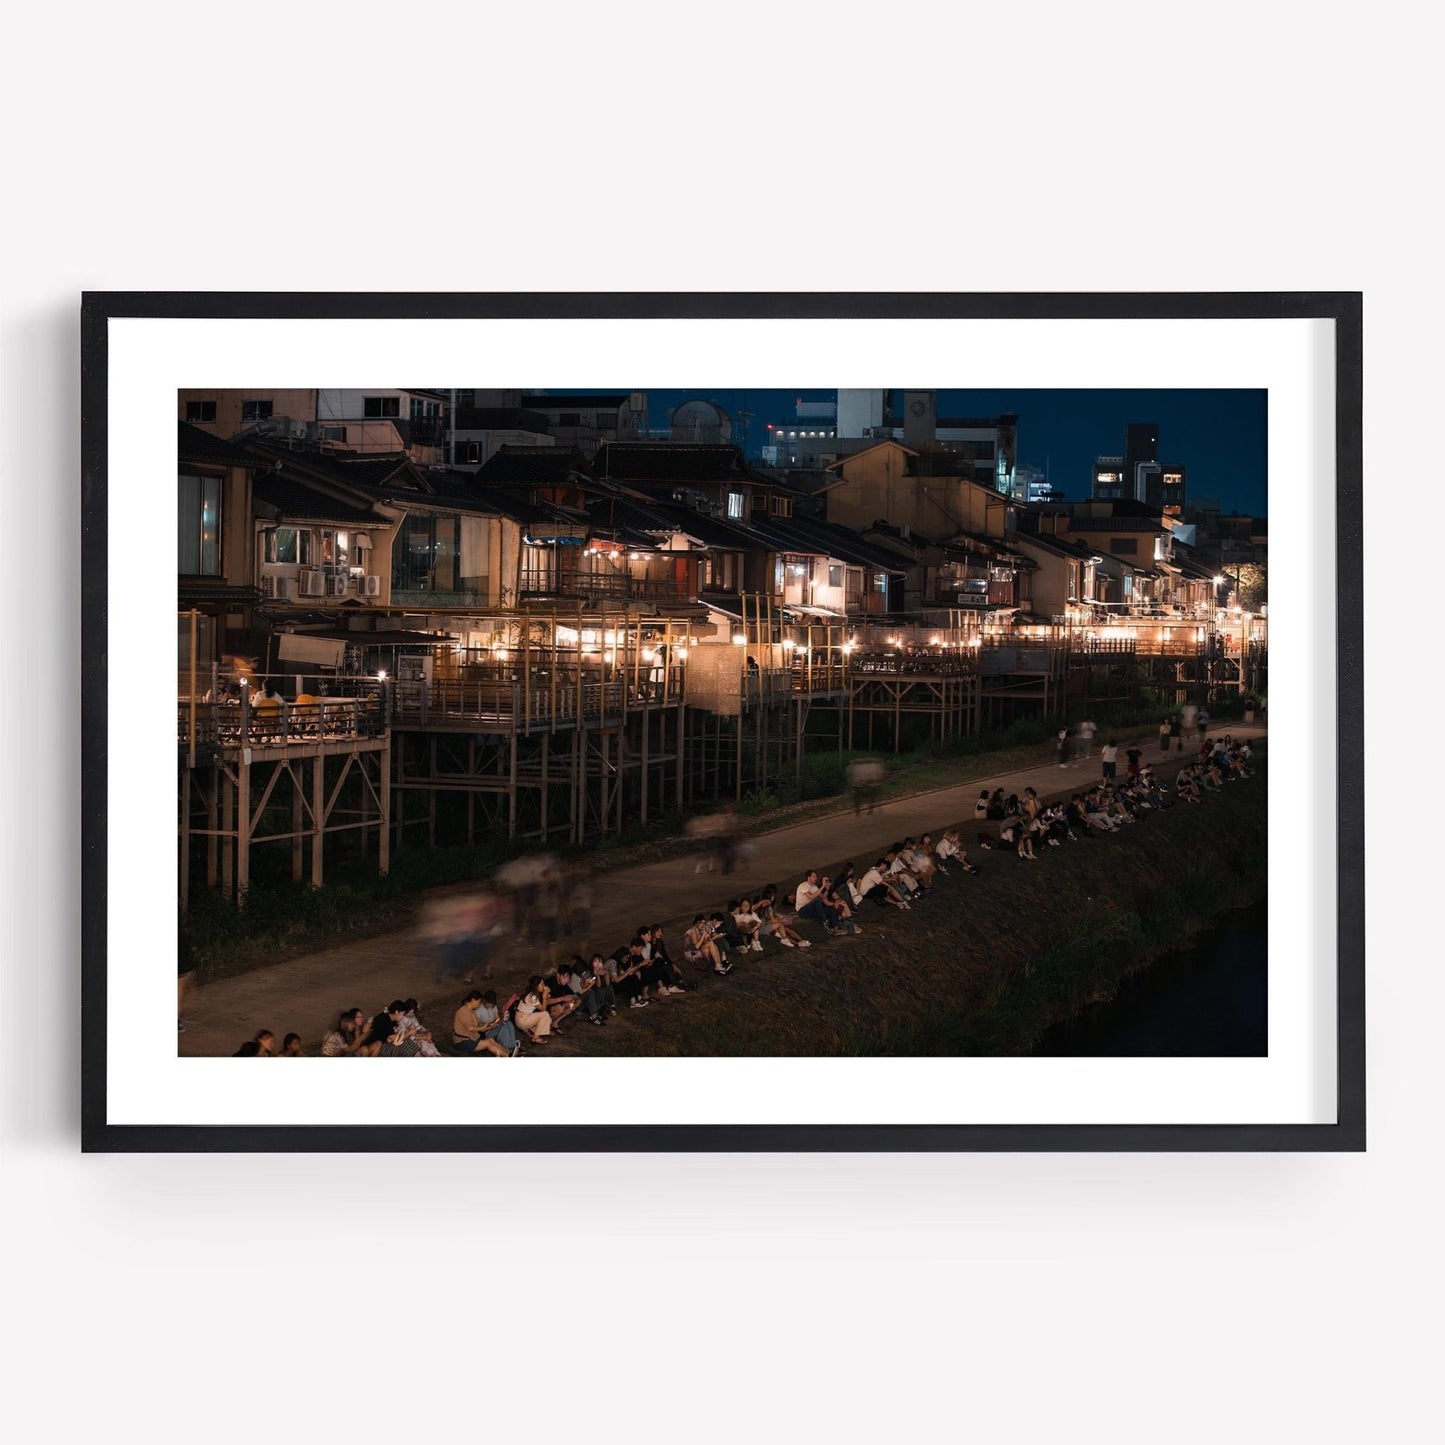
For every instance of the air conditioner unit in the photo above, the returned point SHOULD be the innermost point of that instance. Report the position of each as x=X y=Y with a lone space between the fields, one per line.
x=338 y=586
x=313 y=584
x=276 y=587
x=373 y=586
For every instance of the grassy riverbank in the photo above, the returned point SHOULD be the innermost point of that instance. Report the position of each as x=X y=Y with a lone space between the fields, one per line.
x=990 y=962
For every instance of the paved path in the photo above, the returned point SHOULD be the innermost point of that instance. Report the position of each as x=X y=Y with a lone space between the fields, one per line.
x=305 y=994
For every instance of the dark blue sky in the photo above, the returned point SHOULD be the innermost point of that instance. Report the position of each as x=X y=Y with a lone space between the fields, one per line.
x=1218 y=435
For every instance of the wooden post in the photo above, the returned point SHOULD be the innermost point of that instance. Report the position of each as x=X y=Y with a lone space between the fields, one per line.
x=511 y=788
x=243 y=826
x=680 y=713
x=431 y=794
x=186 y=839
x=297 y=852
x=646 y=729
x=213 y=774
x=191 y=740
x=383 y=789
x=228 y=837
x=471 y=789
x=318 y=820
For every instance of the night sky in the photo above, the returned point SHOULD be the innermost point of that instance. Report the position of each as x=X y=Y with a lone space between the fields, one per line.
x=1218 y=435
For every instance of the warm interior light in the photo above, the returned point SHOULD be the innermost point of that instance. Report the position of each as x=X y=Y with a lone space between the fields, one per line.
x=381 y=676
x=740 y=639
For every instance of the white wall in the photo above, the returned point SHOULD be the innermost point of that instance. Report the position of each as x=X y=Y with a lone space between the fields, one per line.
x=1002 y=1297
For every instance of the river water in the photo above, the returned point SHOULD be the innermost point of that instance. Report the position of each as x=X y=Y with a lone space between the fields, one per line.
x=1211 y=1000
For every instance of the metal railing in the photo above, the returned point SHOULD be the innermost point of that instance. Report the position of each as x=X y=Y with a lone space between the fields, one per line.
x=243 y=720
x=503 y=697
x=541 y=583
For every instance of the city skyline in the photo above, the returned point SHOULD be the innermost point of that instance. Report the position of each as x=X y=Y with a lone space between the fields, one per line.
x=1220 y=435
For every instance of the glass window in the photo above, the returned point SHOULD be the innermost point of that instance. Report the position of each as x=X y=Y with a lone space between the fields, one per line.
x=200 y=411
x=288 y=544
x=835 y=575
x=258 y=410
x=199 y=525
x=381 y=406
x=735 y=505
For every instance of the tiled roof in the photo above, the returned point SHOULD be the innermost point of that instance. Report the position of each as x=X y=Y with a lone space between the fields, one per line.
x=532 y=466
x=673 y=462
x=295 y=500
x=195 y=445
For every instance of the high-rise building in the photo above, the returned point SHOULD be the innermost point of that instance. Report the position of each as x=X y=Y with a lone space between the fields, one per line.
x=1138 y=475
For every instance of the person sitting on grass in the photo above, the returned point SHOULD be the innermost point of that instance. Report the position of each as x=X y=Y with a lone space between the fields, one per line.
x=495 y=1027
x=1097 y=814
x=877 y=888
x=950 y=850
x=919 y=861
x=775 y=920
x=665 y=970
x=629 y=970
x=996 y=806
x=419 y=1031
x=836 y=899
x=1015 y=834
x=471 y=1033
x=1077 y=817
x=747 y=922
x=348 y=1037
x=560 y=999
x=902 y=877
x=592 y=983
x=809 y=903
x=980 y=808
x=530 y=1015
x=700 y=947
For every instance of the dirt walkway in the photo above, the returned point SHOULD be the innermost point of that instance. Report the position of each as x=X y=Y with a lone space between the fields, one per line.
x=304 y=995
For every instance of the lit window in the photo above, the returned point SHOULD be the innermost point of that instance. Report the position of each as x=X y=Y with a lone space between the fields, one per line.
x=735 y=505
x=200 y=525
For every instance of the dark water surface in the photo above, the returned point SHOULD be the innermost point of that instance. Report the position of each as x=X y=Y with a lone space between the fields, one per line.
x=1211 y=1000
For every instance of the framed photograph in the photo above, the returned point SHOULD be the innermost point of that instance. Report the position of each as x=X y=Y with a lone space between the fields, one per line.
x=791 y=722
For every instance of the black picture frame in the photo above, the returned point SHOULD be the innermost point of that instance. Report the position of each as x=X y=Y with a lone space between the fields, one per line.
x=1343 y=309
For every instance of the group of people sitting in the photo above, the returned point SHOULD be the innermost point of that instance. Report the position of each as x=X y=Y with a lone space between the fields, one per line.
x=1028 y=824
x=641 y=971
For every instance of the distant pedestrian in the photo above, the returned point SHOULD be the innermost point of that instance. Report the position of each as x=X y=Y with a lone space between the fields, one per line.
x=1109 y=757
x=1086 y=737
x=1164 y=736
x=1176 y=732
x=1134 y=755
x=1063 y=747
x=1203 y=721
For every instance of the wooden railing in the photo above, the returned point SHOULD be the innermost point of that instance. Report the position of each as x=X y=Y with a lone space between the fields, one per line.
x=246 y=722
x=515 y=701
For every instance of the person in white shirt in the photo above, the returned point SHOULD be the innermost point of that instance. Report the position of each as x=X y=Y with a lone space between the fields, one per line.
x=873 y=885
x=748 y=923
x=1109 y=757
x=950 y=848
